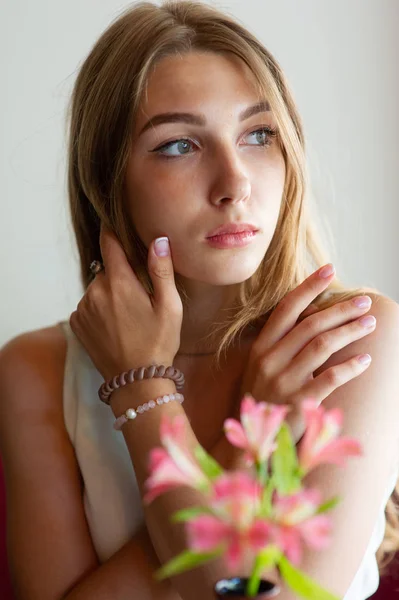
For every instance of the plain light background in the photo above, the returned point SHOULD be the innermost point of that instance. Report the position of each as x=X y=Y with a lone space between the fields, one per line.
x=340 y=58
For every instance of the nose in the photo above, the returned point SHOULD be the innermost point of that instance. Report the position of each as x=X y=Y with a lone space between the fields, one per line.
x=231 y=183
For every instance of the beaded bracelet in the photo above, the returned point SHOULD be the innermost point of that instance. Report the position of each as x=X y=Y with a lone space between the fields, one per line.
x=132 y=413
x=118 y=381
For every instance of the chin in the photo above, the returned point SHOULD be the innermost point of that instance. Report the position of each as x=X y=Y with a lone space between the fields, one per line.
x=229 y=273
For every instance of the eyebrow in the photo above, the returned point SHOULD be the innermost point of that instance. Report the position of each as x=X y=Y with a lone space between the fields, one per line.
x=192 y=119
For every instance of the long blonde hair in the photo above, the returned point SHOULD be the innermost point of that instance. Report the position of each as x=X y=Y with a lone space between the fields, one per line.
x=105 y=100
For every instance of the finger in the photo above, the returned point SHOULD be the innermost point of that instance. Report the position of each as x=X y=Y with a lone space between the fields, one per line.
x=327 y=382
x=286 y=314
x=113 y=255
x=315 y=354
x=160 y=268
x=287 y=349
x=312 y=309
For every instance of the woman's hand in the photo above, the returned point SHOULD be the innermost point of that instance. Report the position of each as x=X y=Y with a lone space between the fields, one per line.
x=118 y=323
x=285 y=355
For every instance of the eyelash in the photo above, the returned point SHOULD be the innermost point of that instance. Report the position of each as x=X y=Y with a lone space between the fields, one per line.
x=271 y=132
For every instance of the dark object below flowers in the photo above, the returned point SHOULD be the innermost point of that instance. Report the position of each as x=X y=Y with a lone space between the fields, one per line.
x=235 y=587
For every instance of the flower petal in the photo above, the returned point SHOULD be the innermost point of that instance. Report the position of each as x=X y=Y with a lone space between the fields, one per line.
x=316 y=531
x=295 y=508
x=336 y=452
x=236 y=497
x=322 y=429
x=165 y=475
x=235 y=433
x=206 y=532
x=272 y=419
x=173 y=436
x=234 y=554
x=251 y=420
x=288 y=539
x=259 y=534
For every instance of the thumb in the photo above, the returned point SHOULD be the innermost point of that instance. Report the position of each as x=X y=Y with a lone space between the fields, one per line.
x=160 y=267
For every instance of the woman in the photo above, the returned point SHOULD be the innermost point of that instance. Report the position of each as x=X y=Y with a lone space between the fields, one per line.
x=235 y=313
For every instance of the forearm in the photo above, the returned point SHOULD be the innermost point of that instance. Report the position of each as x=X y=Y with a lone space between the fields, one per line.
x=141 y=436
x=168 y=539
x=127 y=575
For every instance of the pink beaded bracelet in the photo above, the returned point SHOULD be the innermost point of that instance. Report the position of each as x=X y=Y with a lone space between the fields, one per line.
x=132 y=413
x=138 y=374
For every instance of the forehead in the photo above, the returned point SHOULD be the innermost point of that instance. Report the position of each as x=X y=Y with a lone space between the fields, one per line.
x=180 y=81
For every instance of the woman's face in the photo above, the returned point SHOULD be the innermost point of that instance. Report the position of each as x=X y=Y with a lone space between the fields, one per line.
x=225 y=171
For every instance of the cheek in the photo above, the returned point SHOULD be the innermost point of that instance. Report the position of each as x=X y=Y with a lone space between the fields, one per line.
x=154 y=212
x=273 y=183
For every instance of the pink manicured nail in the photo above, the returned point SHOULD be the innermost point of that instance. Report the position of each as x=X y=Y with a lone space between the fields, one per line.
x=162 y=246
x=362 y=301
x=327 y=271
x=368 y=321
x=365 y=359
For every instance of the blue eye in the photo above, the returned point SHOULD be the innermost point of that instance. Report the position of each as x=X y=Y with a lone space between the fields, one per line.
x=269 y=132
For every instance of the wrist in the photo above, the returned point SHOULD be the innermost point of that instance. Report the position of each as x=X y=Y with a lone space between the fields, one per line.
x=138 y=392
x=126 y=366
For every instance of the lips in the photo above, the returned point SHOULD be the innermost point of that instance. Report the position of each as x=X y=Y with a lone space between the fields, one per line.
x=231 y=228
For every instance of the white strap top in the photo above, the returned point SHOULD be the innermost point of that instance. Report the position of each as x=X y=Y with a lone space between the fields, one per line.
x=111 y=497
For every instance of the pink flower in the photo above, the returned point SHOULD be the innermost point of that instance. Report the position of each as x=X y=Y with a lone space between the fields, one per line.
x=235 y=499
x=319 y=443
x=173 y=465
x=295 y=522
x=260 y=424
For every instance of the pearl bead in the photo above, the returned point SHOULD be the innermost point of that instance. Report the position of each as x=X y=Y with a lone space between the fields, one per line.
x=140 y=410
x=166 y=399
x=159 y=401
x=151 y=404
x=131 y=413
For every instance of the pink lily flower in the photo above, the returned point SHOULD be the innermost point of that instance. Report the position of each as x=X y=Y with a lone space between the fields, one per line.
x=295 y=523
x=235 y=499
x=320 y=443
x=173 y=465
x=260 y=422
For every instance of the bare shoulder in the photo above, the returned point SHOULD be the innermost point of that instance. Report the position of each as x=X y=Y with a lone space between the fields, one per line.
x=384 y=338
x=50 y=340
x=41 y=470
x=380 y=299
x=35 y=359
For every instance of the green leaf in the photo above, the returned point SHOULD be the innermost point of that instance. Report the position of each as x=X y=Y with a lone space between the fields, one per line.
x=302 y=584
x=208 y=464
x=266 y=503
x=186 y=514
x=285 y=462
x=266 y=559
x=185 y=561
x=328 y=505
x=262 y=472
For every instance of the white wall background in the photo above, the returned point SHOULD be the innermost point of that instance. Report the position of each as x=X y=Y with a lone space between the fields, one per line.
x=340 y=57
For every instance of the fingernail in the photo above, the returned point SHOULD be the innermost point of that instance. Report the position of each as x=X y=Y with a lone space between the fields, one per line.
x=368 y=321
x=162 y=246
x=327 y=271
x=365 y=359
x=362 y=301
